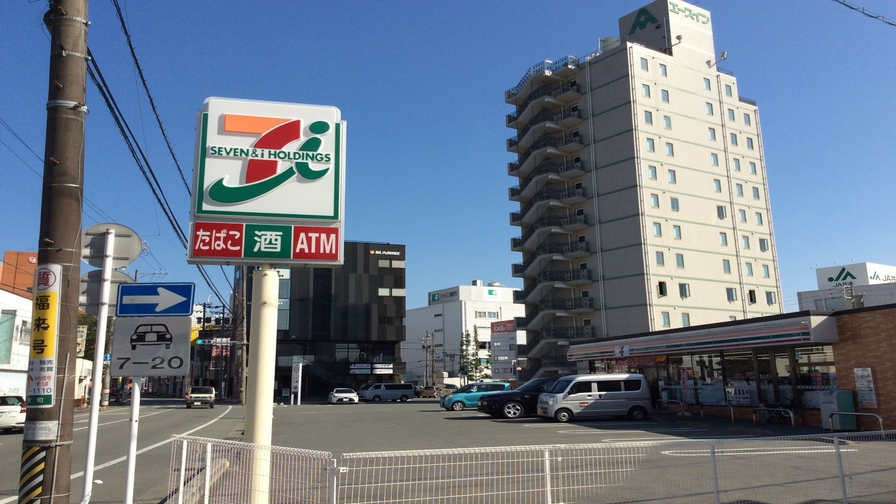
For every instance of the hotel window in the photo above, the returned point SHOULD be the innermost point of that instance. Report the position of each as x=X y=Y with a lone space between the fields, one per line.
x=667 y=122
x=742 y=215
x=672 y=177
x=730 y=114
x=648 y=117
x=755 y=193
x=721 y=211
x=748 y=267
x=765 y=271
x=685 y=320
x=746 y=242
x=712 y=133
x=751 y=296
x=731 y=293
x=661 y=289
x=384 y=291
x=739 y=189
x=770 y=297
x=644 y=64
x=650 y=146
x=660 y=259
x=676 y=232
x=666 y=320
x=717 y=185
x=679 y=260
x=706 y=84
x=723 y=239
x=747 y=119
x=651 y=172
x=655 y=200
x=645 y=90
x=752 y=168
x=758 y=218
x=734 y=139
x=663 y=70
x=749 y=143
x=708 y=108
x=727 y=90
x=657 y=229
x=736 y=163
x=664 y=95
x=684 y=290
x=763 y=244
x=714 y=159
x=670 y=149
x=673 y=203
x=726 y=266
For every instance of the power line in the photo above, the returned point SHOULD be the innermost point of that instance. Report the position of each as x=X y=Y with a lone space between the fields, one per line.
x=868 y=13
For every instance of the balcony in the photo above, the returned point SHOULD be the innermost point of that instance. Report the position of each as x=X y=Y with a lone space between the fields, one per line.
x=543 y=71
x=548 y=197
x=548 y=252
x=548 y=338
x=547 y=225
x=554 y=170
x=557 y=145
x=548 y=280
x=555 y=307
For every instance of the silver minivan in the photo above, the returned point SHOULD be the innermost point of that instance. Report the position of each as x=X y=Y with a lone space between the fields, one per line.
x=377 y=392
x=589 y=396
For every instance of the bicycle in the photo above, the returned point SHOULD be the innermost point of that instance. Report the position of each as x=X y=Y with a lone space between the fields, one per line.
x=783 y=416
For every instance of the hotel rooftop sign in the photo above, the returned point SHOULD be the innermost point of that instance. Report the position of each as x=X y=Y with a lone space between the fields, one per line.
x=269 y=184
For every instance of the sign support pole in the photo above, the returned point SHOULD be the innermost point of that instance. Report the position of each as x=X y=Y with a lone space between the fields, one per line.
x=132 y=440
x=262 y=364
x=98 y=384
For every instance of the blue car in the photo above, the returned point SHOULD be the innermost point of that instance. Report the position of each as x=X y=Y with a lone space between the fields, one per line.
x=468 y=395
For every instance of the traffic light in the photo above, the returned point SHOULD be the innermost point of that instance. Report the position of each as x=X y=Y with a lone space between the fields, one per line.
x=203 y=342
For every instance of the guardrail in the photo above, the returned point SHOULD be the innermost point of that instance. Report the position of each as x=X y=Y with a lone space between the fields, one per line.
x=787 y=412
x=831 y=418
x=730 y=407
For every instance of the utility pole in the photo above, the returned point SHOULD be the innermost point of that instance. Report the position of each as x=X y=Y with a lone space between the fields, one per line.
x=46 y=446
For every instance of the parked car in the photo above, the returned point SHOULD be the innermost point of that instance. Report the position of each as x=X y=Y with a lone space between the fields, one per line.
x=343 y=395
x=12 y=413
x=429 y=391
x=522 y=401
x=588 y=396
x=377 y=392
x=201 y=395
x=448 y=388
x=468 y=395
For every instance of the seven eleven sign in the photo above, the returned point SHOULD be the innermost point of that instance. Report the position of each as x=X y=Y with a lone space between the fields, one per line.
x=269 y=184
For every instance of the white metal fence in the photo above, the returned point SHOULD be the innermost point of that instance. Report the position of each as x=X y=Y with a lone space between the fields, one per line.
x=842 y=467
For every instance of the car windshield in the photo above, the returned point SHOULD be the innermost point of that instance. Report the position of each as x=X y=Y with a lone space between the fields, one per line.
x=202 y=390
x=540 y=384
x=343 y=391
x=559 y=386
x=365 y=387
x=465 y=389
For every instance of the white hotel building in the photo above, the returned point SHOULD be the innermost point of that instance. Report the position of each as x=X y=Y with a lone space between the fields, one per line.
x=642 y=189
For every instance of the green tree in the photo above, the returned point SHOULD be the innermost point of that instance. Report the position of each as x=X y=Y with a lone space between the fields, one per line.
x=86 y=319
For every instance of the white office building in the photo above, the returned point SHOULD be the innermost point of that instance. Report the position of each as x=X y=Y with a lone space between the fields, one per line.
x=642 y=189
x=432 y=347
x=851 y=286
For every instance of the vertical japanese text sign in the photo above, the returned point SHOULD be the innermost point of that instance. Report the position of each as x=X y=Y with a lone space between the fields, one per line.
x=41 y=386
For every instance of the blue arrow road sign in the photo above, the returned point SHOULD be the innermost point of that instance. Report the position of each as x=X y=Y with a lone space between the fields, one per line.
x=155 y=299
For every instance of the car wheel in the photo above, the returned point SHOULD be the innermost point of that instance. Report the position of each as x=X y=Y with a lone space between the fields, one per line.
x=211 y=406
x=637 y=413
x=167 y=346
x=376 y=398
x=512 y=410
x=458 y=406
x=403 y=398
x=189 y=405
x=133 y=347
x=563 y=415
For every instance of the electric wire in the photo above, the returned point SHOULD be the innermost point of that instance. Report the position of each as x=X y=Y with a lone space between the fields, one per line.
x=866 y=12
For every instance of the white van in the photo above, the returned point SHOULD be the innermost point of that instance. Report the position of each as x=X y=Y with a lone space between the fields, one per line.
x=589 y=396
x=377 y=392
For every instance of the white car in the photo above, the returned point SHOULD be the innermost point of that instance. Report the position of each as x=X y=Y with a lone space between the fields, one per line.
x=12 y=413
x=343 y=395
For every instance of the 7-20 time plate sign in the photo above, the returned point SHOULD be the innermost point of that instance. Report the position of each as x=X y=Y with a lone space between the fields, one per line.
x=151 y=346
x=269 y=184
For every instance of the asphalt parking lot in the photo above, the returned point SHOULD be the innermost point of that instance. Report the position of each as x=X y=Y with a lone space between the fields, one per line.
x=421 y=424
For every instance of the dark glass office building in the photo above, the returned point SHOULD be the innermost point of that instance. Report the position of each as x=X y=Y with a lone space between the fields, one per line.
x=344 y=325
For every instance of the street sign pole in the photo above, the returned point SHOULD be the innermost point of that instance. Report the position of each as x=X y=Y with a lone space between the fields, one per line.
x=96 y=389
x=262 y=362
x=132 y=440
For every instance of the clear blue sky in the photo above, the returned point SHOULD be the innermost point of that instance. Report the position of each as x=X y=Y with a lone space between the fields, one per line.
x=421 y=86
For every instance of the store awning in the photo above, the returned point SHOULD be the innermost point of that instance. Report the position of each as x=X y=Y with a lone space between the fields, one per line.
x=778 y=330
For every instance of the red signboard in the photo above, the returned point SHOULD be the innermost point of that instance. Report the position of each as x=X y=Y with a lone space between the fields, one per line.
x=261 y=242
